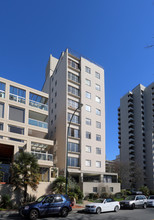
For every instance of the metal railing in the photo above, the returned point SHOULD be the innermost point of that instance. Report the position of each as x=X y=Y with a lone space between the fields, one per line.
x=43 y=156
x=38 y=105
x=37 y=123
x=2 y=94
x=17 y=98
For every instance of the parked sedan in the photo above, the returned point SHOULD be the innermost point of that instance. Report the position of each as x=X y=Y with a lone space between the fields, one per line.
x=150 y=201
x=103 y=205
x=47 y=205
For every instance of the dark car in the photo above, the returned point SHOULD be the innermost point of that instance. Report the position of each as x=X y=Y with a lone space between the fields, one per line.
x=47 y=205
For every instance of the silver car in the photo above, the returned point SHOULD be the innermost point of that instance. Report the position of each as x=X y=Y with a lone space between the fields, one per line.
x=134 y=201
x=150 y=201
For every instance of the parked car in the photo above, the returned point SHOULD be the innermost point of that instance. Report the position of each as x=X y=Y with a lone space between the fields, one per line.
x=47 y=205
x=150 y=201
x=134 y=201
x=103 y=205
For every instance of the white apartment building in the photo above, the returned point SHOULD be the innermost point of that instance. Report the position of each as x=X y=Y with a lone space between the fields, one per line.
x=71 y=81
x=24 y=127
x=136 y=135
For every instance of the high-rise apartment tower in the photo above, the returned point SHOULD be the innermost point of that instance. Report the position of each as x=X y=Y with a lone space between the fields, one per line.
x=136 y=135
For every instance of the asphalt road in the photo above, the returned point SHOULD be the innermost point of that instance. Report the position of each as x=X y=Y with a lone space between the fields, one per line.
x=137 y=214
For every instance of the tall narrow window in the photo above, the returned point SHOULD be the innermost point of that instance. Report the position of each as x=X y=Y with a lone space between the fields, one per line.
x=87 y=69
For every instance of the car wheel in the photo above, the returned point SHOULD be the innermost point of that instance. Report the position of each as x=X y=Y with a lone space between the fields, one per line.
x=33 y=214
x=144 y=205
x=64 y=212
x=133 y=206
x=116 y=209
x=98 y=210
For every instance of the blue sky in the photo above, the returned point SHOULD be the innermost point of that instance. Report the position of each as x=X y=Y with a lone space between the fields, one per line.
x=113 y=33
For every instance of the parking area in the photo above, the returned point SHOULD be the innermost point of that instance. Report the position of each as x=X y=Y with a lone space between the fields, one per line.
x=136 y=214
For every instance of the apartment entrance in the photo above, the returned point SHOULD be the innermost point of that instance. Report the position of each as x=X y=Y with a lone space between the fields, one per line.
x=6 y=158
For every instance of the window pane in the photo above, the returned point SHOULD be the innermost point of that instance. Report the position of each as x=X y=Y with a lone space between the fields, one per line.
x=98 y=150
x=98 y=99
x=98 y=163
x=88 y=121
x=16 y=114
x=88 y=70
x=88 y=82
x=88 y=134
x=73 y=162
x=97 y=87
x=88 y=108
x=88 y=163
x=88 y=149
x=88 y=95
x=98 y=111
x=98 y=124
x=97 y=75
x=98 y=137
x=1 y=110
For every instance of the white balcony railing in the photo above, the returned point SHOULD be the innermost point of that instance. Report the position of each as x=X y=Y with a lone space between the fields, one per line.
x=17 y=98
x=2 y=94
x=37 y=123
x=43 y=156
x=38 y=105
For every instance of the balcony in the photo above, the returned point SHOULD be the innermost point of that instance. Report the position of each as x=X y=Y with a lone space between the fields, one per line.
x=2 y=94
x=17 y=98
x=38 y=105
x=37 y=123
x=43 y=156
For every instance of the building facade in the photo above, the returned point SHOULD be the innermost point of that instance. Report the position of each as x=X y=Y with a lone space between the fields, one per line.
x=72 y=81
x=136 y=136
x=24 y=127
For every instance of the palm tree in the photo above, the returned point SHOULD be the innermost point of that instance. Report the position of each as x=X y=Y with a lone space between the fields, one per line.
x=25 y=172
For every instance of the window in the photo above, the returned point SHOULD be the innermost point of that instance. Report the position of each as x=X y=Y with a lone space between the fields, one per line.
x=111 y=189
x=98 y=137
x=88 y=149
x=73 y=147
x=1 y=110
x=73 y=162
x=73 y=104
x=44 y=174
x=87 y=69
x=55 y=82
x=98 y=111
x=97 y=75
x=98 y=150
x=73 y=77
x=88 y=108
x=15 y=129
x=73 y=90
x=88 y=135
x=98 y=99
x=55 y=117
x=88 y=163
x=97 y=87
x=88 y=82
x=51 y=111
x=55 y=94
x=51 y=122
x=73 y=64
x=88 y=121
x=98 y=124
x=88 y=95
x=75 y=118
x=2 y=90
x=16 y=114
x=17 y=94
x=74 y=133
x=1 y=126
x=94 y=189
x=98 y=164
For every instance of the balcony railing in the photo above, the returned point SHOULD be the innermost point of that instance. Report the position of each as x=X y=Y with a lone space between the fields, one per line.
x=17 y=98
x=37 y=123
x=38 y=105
x=43 y=156
x=2 y=94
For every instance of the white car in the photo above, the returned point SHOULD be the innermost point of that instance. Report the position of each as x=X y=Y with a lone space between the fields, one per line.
x=150 y=201
x=103 y=205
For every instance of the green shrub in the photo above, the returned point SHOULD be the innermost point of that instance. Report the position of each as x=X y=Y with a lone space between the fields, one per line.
x=6 y=201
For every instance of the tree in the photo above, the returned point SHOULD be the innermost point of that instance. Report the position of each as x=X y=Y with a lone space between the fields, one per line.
x=58 y=186
x=25 y=172
x=145 y=190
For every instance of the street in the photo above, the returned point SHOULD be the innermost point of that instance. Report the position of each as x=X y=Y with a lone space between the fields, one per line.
x=137 y=214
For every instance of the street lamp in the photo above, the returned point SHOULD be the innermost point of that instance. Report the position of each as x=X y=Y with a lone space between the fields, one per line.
x=79 y=107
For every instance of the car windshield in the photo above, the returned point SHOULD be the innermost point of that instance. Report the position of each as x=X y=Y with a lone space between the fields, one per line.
x=151 y=197
x=130 y=198
x=99 y=201
x=40 y=199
